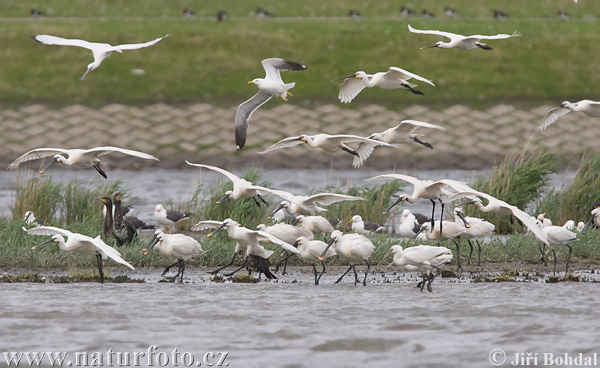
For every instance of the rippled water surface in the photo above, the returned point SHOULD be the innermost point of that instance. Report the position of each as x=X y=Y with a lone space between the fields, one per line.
x=301 y=325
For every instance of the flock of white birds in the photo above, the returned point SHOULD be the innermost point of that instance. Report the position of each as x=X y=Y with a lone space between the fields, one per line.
x=356 y=247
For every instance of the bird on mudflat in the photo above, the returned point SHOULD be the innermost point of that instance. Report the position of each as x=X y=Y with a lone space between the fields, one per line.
x=169 y=218
x=270 y=86
x=310 y=250
x=588 y=107
x=100 y=51
x=462 y=42
x=123 y=230
x=76 y=156
x=394 y=78
x=353 y=248
x=79 y=243
x=179 y=246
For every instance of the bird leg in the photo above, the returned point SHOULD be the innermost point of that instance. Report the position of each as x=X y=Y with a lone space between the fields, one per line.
x=432 y=214
x=319 y=278
x=100 y=171
x=355 y=274
x=350 y=151
x=341 y=277
x=282 y=261
x=542 y=248
x=441 y=217
x=471 y=252
x=417 y=140
x=256 y=201
x=168 y=268
x=232 y=273
x=288 y=92
x=433 y=276
x=458 y=256
x=478 y=253
x=568 y=258
x=423 y=282
x=262 y=199
x=99 y=259
x=180 y=271
x=227 y=265
x=415 y=91
x=554 y=254
x=483 y=46
x=366 y=273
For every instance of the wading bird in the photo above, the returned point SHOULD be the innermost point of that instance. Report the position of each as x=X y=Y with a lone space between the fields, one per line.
x=353 y=248
x=332 y=143
x=76 y=156
x=79 y=243
x=169 y=218
x=394 y=78
x=427 y=189
x=590 y=108
x=295 y=205
x=478 y=229
x=286 y=233
x=247 y=241
x=311 y=250
x=123 y=230
x=242 y=188
x=460 y=41
x=270 y=86
x=178 y=246
x=423 y=258
x=452 y=231
x=402 y=133
x=315 y=224
x=558 y=235
x=100 y=51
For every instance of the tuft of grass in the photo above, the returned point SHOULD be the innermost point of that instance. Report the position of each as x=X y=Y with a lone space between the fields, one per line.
x=519 y=180
x=576 y=201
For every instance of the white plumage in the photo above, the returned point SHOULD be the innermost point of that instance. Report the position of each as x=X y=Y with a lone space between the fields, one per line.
x=315 y=224
x=353 y=248
x=423 y=258
x=460 y=41
x=588 y=107
x=178 y=246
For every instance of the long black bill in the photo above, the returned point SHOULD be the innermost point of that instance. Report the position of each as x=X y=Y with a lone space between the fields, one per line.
x=222 y=199
x=329 y=243
x=217 y=229
x=585 y=229
x=428 y=47
x=464 y=220
x=414 y=237
x=295 y=222
x=47 y=166
x=274 y=212
x=350 y=76
x=392 y=206
x=46 y=242
x=151 y=245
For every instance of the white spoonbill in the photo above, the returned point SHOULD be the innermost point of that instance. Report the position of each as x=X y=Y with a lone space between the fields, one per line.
x=315 y=224
x=365 y=227
x=427 y=189
x=310 y=250
x=178 y=246
x=269 y=86
x=394 y=78
x=423 y=258
x=80 y=243
x=76 y=156
x=287 y=233
x=588 y=107
x=478 y=229
x=332 y=143
x=100 y=51
x=558 y=235
x=460 y=41
x=242 y=188
x=453 y=230
x=296 y=204
x=247 y=241
x=500 y=208
x=594 y=219
x=168 y=218
x=401 y=133
x=353 y=248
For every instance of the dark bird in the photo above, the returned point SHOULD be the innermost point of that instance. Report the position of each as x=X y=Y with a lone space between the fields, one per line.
x=35 y=13
x=188 y=13
x=450 y=12
x=260 y=265
x=406 y=12
x=498 y=14
x=122 y=229
x=262 y=13
x=222 y=15
x=168 y=218
x=354 y=14
x=427 y=14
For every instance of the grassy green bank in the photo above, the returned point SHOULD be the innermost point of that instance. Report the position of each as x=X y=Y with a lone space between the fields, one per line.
x=204 y=60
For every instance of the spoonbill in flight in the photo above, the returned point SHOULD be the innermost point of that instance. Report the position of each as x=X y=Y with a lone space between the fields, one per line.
x=269 y=86
x=394 y=78
x=460 y=41
x=76 y=156
x=590 y=108
x=100 y=50
x=79 y=243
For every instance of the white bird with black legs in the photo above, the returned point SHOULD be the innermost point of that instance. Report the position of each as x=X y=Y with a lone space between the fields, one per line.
x=315 y=224
x=310 y=250
x=100 y=51
x=427 y=189
x=178 y=246
x=453 y=230
x=286 y=233
x=588 y=107
x=76 y=156
x=354 y=248
x=558 y=235
x=401 y=133
x=270 y=86
x=423 y=258
x=462 y=42
x=242 y=188
x=478 y=229
x=247 y=241
x=365 y=227
x=79 y=243
x=332 y=143
x=394 y=78
x=298 y=204
x=168 y=218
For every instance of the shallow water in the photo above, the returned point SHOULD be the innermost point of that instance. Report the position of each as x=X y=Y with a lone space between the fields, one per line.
x=292 y=323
